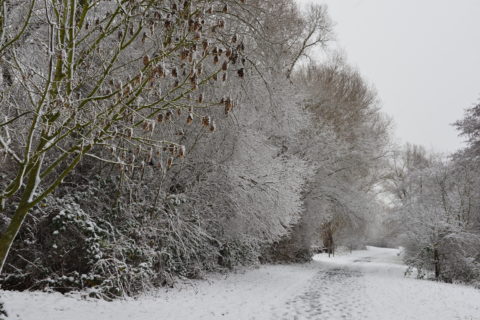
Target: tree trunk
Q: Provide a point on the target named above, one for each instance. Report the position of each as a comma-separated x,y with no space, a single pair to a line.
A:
330,243
7,238
436,261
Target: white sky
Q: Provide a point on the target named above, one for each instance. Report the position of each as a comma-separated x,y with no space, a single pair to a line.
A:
423,56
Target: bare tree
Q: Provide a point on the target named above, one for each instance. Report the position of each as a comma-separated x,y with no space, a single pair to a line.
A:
82,76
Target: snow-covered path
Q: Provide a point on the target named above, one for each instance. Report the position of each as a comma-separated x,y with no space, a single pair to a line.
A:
367,284
371,284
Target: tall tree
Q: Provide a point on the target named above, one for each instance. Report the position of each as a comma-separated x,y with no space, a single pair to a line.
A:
80,76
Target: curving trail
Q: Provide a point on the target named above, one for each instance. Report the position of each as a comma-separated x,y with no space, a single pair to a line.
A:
371,284
367,284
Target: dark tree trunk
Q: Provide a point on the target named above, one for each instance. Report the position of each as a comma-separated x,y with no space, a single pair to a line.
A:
436,261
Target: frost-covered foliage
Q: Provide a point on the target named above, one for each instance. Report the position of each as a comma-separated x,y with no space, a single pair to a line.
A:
103,79
435,207
160,147
345,147
148,140
469,127
437,210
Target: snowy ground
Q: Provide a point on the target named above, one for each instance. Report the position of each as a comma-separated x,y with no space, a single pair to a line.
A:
368,284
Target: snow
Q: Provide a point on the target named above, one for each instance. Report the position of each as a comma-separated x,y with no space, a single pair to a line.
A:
366,284
387,294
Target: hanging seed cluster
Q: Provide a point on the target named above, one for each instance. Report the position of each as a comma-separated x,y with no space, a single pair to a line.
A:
188,55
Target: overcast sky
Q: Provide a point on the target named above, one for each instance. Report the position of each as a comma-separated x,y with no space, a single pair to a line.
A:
423,56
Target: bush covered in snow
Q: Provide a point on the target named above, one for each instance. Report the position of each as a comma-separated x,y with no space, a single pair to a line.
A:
437,210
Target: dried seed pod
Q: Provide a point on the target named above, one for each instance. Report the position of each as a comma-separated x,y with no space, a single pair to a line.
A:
228,105
241,72
224,77
215,59
228,53
129,132
179,111
193,81
174,72
225,66
168,115
200,98
205,44
200,69
234,58
170,162
225,9
146,60
206,121
234,38
127,90
181,151
160,118
184,54
172,148
215,77
190,118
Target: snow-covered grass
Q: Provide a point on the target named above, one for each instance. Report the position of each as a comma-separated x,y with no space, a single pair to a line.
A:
366,284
